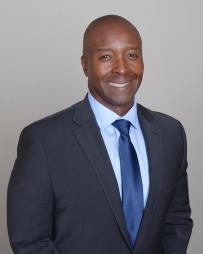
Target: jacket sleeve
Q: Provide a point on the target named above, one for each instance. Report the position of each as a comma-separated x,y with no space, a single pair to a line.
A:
30,199
178,223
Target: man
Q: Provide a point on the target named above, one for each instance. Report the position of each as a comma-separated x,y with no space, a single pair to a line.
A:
107,175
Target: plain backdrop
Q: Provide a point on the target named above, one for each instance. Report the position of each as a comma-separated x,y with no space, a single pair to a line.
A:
40,73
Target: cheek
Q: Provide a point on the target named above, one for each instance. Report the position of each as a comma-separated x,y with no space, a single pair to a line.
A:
141,67
138,69
99,69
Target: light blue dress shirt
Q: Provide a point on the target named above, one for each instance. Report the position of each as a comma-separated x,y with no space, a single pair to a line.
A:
105,117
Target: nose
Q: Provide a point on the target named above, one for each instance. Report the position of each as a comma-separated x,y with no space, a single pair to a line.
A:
120,66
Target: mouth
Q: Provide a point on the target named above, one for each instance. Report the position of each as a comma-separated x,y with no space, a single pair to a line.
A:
119,85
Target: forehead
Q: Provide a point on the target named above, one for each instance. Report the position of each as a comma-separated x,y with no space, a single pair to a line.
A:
113,34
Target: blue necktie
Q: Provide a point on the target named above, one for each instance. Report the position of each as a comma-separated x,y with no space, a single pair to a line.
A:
132,192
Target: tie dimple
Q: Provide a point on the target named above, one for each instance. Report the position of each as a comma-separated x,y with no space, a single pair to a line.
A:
123,126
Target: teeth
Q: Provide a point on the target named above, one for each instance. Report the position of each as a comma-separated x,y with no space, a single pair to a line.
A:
118,85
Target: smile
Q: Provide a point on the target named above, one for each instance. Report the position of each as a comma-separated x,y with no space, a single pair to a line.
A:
119,85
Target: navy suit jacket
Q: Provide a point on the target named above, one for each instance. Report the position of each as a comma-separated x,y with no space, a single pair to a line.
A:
63,196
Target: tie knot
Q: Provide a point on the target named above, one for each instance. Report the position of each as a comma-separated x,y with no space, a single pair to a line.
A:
123,126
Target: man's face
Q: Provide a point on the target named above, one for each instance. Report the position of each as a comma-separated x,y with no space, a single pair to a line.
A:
114,66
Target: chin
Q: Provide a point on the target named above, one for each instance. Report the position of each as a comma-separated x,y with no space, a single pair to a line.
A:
121,103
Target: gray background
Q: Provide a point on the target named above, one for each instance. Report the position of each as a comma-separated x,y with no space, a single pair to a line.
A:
40,73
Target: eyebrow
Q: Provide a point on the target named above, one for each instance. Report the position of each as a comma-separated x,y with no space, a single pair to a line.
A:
109,49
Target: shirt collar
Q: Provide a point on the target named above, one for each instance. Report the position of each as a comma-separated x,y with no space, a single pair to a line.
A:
106,117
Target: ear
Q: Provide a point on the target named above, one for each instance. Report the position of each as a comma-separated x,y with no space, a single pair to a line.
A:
84,64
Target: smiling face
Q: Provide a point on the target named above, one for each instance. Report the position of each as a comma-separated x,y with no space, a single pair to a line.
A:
113,63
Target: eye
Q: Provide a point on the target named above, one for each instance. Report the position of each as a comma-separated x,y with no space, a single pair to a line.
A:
132,55
105,57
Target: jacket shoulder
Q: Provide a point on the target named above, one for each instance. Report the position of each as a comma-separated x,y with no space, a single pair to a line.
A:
169,125
158,117
54,123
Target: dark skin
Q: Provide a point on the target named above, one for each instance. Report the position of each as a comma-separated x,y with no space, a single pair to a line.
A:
112,61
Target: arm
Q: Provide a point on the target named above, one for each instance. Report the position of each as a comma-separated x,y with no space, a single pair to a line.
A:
30,199
178,223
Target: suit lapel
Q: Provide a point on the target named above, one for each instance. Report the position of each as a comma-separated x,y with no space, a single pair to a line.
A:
155,155
90,139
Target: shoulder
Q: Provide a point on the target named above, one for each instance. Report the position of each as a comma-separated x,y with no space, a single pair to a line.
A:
157,116
169,125
53,125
